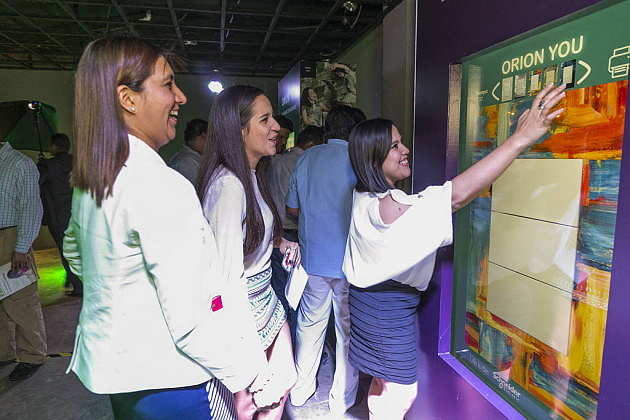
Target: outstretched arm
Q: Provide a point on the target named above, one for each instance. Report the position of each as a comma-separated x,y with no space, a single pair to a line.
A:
532,124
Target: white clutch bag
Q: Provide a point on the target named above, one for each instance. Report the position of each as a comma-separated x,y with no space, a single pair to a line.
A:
295,285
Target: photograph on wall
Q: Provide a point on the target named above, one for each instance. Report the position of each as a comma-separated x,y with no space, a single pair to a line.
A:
324,85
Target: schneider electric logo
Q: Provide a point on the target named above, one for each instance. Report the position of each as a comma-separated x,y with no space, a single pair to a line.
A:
506,386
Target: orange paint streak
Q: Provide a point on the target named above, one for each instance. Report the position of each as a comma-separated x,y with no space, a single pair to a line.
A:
585,183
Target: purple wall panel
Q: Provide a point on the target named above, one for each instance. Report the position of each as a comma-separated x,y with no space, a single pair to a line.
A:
614,400
447,31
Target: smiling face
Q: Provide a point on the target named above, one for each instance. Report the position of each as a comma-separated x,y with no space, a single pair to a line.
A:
154,110
396,164
312,95
261,131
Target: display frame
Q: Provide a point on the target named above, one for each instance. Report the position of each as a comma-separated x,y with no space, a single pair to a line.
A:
446,270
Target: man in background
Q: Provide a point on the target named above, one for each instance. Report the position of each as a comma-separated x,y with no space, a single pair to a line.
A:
282,167
56,193
188,160
320,194
286,128
22,331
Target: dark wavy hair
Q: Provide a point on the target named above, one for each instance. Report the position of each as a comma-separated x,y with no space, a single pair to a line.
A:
230,114
305,100
370,142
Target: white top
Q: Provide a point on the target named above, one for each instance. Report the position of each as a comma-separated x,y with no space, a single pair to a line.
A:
149,265
403,250
225,207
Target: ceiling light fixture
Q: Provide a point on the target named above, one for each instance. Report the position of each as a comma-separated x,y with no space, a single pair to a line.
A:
350,5
215,87
147,16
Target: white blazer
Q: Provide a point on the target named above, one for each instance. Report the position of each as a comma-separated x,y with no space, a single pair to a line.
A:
155,312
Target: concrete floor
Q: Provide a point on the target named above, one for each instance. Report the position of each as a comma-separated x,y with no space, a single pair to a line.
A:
50,394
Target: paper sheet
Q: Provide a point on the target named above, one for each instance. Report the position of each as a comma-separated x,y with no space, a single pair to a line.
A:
9,286
295,285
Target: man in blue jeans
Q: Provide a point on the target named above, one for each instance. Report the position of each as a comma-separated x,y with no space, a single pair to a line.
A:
320,195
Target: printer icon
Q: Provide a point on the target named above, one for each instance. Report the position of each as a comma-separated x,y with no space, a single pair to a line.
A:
619,62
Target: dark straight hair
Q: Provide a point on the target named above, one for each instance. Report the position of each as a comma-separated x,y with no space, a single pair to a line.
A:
194,129
230,114
370,142
101,143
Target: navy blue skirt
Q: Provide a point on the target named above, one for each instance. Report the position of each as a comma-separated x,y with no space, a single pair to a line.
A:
383,331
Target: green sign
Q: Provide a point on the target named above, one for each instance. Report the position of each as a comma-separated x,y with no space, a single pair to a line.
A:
583,50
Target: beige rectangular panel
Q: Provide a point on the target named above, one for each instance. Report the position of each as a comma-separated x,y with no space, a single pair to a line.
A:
542,250
545,189
540,310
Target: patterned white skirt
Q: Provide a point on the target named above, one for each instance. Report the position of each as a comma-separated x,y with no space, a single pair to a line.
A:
268,311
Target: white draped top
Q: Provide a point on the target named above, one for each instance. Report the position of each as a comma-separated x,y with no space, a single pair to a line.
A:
403,250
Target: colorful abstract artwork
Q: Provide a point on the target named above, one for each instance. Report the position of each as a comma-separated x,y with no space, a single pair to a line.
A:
591,130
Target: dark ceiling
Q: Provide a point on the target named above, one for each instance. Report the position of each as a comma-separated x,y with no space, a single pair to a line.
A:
237,37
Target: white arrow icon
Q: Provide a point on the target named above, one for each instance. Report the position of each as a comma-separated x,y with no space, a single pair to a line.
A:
588,71
494,95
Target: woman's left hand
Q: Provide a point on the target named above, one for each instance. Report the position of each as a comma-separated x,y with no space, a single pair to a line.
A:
291,252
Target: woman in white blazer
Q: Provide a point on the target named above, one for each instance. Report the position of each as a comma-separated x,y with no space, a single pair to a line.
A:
157,331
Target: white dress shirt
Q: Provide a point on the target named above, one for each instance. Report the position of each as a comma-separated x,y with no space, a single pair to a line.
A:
148,261
403,250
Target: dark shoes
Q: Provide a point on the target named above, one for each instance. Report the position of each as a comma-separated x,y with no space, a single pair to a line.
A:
23,371
4,363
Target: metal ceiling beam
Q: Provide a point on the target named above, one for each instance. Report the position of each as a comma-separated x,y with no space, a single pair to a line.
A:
150,38
272,26
50,60
71,13
123,15
178,32
18,62
321,25
307,15
223,16
30,22
153,24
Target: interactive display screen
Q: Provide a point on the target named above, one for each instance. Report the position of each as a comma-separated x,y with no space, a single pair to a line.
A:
534,253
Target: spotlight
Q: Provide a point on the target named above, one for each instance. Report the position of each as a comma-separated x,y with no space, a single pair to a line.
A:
34,105
215,87
350,5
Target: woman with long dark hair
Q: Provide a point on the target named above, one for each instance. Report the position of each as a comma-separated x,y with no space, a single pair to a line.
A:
237,203
156,332
392,242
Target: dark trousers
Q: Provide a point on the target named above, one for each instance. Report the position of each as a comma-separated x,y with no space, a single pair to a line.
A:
57,234
207,401
279,279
